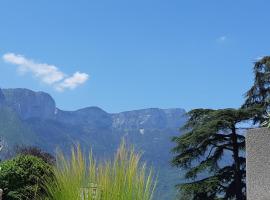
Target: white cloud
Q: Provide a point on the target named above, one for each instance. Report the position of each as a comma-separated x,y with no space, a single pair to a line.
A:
73,81
48,74
222,39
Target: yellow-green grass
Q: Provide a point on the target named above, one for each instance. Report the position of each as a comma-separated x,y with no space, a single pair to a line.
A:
122,178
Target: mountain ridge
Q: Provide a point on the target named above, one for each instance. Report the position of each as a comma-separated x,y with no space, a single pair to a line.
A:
32,118
16,98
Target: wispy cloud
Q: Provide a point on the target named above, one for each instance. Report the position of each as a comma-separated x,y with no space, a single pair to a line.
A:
73,81
222,39
48,74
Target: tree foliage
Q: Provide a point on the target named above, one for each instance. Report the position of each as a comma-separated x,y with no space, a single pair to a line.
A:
22,177
259,94
211,135
37,152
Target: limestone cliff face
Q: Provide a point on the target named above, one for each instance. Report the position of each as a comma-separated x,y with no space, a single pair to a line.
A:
28,104
152,118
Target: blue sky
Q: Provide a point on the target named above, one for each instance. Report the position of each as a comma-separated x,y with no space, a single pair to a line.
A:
136,54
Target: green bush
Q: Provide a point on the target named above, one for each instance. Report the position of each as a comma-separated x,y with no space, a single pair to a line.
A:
23,176
37,152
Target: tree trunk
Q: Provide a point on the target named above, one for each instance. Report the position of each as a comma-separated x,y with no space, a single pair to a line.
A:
237,171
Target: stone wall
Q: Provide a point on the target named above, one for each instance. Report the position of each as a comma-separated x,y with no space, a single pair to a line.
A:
258,164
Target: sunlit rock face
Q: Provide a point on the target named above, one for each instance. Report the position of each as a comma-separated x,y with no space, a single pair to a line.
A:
152,118
28,104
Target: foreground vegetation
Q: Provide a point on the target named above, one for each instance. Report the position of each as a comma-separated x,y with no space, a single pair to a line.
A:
33,175
22,177
120,179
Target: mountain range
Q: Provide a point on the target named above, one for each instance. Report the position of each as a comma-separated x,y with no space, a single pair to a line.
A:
32,118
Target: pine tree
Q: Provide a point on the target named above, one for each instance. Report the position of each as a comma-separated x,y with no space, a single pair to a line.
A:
211,135
259,94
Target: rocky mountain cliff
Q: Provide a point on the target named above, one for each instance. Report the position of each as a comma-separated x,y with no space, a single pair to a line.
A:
32,118
28,104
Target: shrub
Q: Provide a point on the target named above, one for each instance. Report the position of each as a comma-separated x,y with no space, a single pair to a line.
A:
120,179
37,152
23,177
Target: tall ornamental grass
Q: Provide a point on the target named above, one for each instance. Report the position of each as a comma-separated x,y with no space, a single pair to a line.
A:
122,178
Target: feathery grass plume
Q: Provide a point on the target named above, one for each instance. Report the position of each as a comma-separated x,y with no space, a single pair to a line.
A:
122,178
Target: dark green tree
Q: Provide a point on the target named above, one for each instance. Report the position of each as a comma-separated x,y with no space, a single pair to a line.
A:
259,94
23,177
210,136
